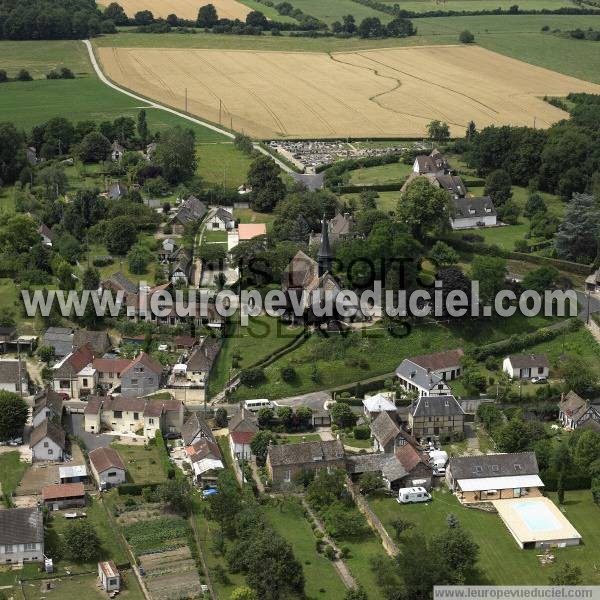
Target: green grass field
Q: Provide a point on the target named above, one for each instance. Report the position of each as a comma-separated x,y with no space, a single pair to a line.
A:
11,472
334,11
143,463
222,164
268,11
247,215
392,173
84,98
321,577
421,6
374,352
501,561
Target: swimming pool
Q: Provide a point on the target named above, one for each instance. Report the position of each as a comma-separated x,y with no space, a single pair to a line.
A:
537,516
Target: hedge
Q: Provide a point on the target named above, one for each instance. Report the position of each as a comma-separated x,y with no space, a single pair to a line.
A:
376,187
596,490
571,482
135,489
163,454
517,342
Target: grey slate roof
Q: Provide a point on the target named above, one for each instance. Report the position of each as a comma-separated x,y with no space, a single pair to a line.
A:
387,464
417,374
243,420
196,427
51,400
384,428
59,338
9,372
204,356
493,465
98,340
469,208
21,526
437,406
121,282
526,361
306,452
190,211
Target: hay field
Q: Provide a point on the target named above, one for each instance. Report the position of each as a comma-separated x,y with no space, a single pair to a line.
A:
184,9
374,93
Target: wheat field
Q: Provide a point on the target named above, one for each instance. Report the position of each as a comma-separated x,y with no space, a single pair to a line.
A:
373,93
184,9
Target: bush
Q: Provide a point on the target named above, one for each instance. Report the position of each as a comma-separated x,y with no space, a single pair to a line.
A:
362,432
23,75
330,552
252,377
466,37
288,374
103,261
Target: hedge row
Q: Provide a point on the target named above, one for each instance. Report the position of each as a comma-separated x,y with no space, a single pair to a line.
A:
517,342
571,482
376,187
163,454
596,490
135,489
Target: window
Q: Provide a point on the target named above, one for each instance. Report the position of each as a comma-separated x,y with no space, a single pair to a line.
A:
64,383
30,546
8,549
85,382
111,474
110,375
288,476
151,421
50,451
118,414
46,444
134,381
540,370
136,416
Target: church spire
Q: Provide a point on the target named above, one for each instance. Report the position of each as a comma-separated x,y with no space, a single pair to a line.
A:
325,256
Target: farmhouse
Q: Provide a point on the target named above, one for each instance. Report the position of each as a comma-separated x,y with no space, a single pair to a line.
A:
494,476
48,406
63,495
21,535
444,364
284,461
117,282
195,428
13,376
432,163
181,267
373,406
415,378
575,412
7,335
98,341
525,366
107,467
471,212
431,416
242,427
74,375
47,441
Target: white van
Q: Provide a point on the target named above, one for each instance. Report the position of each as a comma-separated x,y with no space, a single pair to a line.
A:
256,405
413,494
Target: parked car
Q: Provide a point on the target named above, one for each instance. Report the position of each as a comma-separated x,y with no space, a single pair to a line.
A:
539,380
163,347
172,435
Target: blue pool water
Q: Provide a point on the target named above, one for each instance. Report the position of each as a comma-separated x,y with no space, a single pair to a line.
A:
537,516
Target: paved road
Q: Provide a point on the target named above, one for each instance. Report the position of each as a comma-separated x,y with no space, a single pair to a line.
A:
314,400
182,115
594,301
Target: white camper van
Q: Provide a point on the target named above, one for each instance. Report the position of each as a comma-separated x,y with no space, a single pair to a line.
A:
413,494
256,405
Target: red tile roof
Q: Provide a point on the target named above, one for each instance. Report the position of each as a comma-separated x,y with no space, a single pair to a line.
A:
110,365
63,490
242,437
247,231
105,458
409,457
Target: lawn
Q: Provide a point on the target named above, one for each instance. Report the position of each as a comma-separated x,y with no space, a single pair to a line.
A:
11,472
82,586
247,215
263,336
143,463
120,264
110,545
215,237
222,164
298,439
320,576
501,561
349,440
83,98
334,11
268,11
392,173
374,352
421,6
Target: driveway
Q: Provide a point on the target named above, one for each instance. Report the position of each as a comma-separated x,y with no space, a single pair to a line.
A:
314,400
74,426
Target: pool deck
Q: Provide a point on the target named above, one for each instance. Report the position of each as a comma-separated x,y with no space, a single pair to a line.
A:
558,532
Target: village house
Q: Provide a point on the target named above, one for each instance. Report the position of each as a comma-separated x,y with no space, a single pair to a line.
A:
194,429
110,578
242,427
46,235
592,282
433,163
526,366
63,495
387,434
7,335
575,412
73,474
204,458
107,467
47,442
469,212
180,272
452,184
98,341
494,476
220,220
109,372
286,460
13,376
421,380
116,190
116,151
201,361
60,339
190,211
64,340
432,416
373,406
74,375
142,376
320,417
48,406
21,535
340,227
117,282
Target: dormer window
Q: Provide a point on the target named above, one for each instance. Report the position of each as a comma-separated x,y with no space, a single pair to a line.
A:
495,468
478,469
518,468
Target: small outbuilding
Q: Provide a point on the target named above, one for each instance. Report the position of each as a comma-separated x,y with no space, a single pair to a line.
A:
63,495
109,575
107,467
